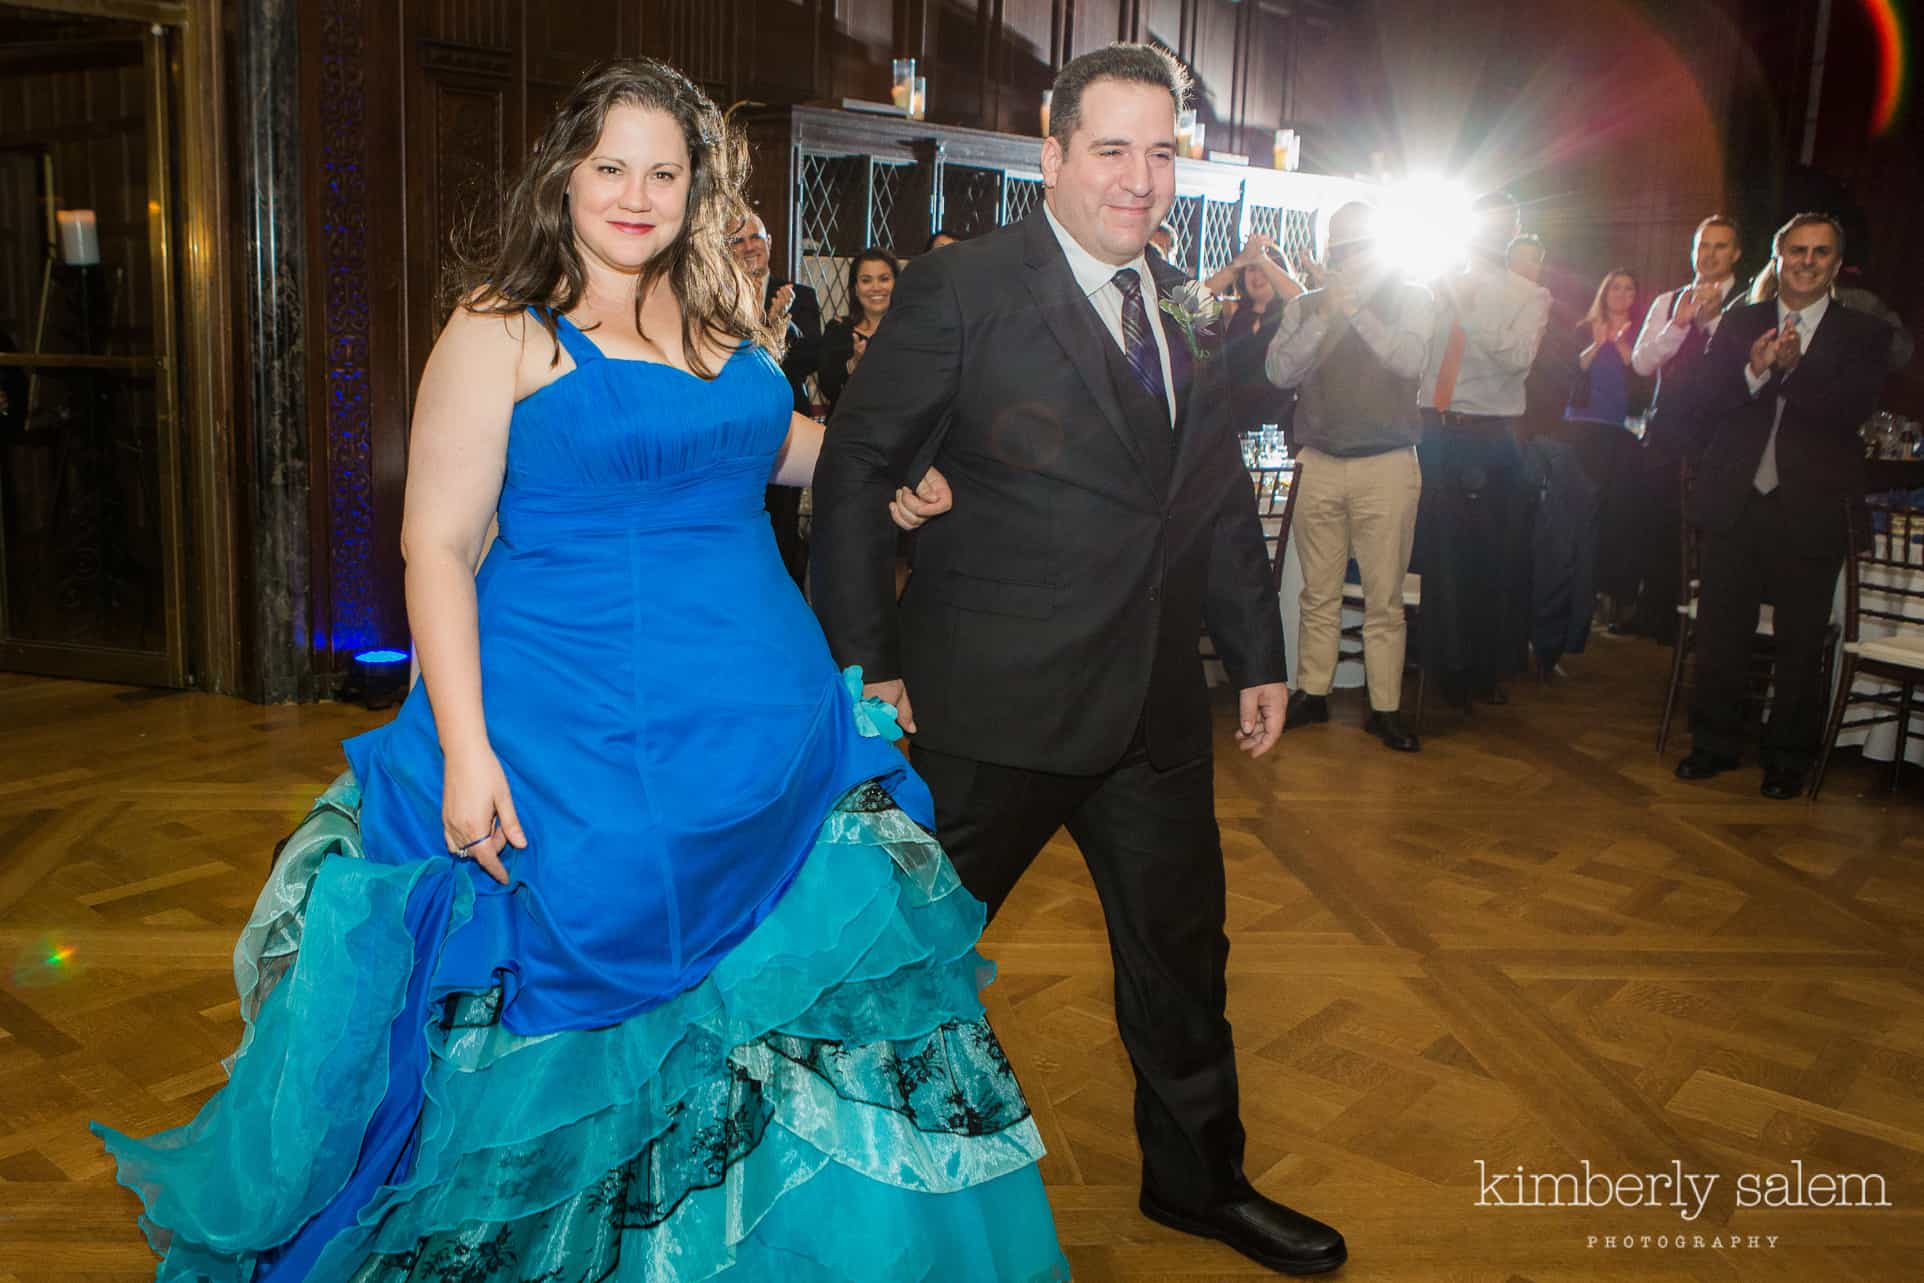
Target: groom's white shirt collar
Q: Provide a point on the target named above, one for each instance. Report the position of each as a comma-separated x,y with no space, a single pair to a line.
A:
1096,279
1092,273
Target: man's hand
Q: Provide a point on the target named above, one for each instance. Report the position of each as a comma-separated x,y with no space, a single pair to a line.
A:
910,509
1689,306
1790,348
780,302
1311,271
1259,714
894,692
1763,352
1344,292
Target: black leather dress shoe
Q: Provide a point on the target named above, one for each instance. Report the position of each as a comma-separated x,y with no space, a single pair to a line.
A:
1702,764
1389,728
1263,1230
1495,695
1305,710
1784,782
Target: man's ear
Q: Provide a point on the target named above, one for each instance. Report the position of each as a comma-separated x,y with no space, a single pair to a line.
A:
1051,160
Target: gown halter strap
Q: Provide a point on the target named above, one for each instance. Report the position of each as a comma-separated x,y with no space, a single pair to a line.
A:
579,345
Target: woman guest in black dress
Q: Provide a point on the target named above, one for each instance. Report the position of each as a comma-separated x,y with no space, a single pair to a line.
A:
1263,288
871,283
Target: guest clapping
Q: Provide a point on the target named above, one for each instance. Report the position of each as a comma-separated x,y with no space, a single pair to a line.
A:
1355,346
1263,288
1604,391
871,283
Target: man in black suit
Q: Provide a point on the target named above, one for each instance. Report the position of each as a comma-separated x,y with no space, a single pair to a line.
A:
794,305
1785,385
1048,632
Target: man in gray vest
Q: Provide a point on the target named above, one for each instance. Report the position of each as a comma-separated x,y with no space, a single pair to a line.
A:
1354,349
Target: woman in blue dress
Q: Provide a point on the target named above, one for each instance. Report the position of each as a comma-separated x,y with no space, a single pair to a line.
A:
1605,392
624,951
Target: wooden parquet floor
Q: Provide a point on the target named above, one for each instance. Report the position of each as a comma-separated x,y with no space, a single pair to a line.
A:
1526,947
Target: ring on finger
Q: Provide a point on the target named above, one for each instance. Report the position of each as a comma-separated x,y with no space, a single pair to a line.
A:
465,847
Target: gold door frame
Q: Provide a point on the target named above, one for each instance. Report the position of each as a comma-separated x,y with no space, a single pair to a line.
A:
193,359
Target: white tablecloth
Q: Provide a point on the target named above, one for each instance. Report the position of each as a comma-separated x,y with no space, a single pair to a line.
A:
1880,742
1349,669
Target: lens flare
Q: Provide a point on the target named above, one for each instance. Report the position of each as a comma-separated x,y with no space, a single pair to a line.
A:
1888,24
47,963
1423,227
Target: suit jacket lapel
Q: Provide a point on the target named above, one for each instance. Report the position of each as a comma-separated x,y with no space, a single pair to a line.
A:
1070,318
1823,346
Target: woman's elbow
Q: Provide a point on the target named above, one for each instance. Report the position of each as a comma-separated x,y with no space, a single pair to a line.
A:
421,549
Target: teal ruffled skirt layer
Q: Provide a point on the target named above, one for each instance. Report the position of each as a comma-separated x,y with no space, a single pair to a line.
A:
829,1104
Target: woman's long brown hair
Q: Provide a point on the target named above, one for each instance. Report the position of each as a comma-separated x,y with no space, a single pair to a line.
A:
1603,289
530,258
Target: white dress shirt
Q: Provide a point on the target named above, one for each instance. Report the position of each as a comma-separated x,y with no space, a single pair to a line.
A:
1097,280
1662,337
1503,326
1809,317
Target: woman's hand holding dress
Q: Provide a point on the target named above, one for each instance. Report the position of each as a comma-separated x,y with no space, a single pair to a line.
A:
477,811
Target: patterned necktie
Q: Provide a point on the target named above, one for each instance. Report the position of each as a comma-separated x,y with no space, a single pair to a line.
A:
1766,479
1138,344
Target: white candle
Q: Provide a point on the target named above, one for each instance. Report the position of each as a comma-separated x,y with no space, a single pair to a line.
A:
79,238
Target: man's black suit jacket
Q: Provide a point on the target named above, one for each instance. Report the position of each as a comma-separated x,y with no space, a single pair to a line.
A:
1820,458
803,354
1057,608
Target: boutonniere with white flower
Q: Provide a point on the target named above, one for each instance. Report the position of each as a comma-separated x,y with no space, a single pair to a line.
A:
1195,310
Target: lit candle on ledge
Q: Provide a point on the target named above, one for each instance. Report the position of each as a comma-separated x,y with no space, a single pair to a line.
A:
902,90
79,238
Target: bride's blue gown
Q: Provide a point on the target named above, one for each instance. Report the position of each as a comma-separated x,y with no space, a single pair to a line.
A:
722,1023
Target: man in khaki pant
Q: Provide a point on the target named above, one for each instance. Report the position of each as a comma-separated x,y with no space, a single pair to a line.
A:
1355,349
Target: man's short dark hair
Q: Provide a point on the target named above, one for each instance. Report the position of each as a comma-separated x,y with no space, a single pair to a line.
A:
938,234
1720,220
1808,220
1132,63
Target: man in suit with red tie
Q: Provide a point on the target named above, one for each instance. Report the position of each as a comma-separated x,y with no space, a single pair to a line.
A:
1785,386
1048,632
